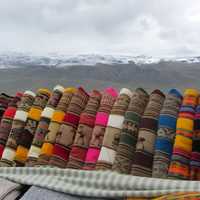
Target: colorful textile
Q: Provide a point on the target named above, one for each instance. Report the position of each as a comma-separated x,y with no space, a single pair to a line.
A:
113,130
182,149
63,134
195,156
62,107
138,198
128,137
109,96
7,119
43,125
143,158
180,196
28,132
17,128
84,132
4,101
166,134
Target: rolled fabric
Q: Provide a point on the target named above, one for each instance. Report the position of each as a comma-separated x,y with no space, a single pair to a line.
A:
166,134
58,151
7,119
129,134
84,132
4,101
109,96
143,157
113,130
18,125
26,136
195,156
63,126
180,161
43,125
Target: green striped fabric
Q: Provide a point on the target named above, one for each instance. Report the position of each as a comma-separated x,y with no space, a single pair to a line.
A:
96,183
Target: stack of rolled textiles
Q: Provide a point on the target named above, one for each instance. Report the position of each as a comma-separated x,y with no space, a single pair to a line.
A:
180,160
143,157
7,119
26,136
195,156
113,130
109,96
4,100
61,108
48,142
62,131
18,124
128,138
84,132
166,134
43,125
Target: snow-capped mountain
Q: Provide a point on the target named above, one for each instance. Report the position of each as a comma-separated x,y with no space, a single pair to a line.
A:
15,60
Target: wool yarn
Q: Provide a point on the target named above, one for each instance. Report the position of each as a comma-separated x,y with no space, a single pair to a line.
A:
109,96
43,125
195,155
18,124
63,126
143,158
4,101
28,132
180,161
166,134
7,119
129,134
113,130
84,132
61,108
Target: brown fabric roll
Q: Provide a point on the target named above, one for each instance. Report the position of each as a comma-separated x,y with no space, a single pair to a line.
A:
129,134
143,157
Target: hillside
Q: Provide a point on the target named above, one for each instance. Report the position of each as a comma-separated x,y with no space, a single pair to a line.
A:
164,74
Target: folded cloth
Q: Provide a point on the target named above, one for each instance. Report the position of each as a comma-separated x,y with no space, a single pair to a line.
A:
84,132
166,134
100,184
7,119
113,130
4,101
63,127
18,125
43,125
129,134
28,132
143,157
36,193
182,149
109,96
9,190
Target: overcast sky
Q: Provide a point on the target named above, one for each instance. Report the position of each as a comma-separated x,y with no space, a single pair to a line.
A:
150,27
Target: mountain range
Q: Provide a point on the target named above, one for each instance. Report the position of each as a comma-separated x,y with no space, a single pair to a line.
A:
15,60
28,71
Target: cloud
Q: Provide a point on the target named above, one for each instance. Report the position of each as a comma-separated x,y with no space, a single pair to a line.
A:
158,28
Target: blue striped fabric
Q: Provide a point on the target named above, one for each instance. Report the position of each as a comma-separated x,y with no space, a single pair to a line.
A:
166,133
